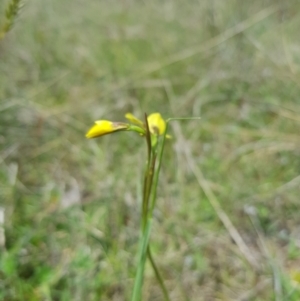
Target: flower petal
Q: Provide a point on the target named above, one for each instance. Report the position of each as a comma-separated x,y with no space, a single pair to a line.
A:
157,125
104,127
134,120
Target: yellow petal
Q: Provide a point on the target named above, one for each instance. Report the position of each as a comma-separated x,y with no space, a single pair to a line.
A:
157,125
134,120
104,127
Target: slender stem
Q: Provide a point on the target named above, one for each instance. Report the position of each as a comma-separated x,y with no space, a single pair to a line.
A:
183,118
143,246
150,188
150,182
148,137
152,205
157,275
146,218
149,172
156,174
144,207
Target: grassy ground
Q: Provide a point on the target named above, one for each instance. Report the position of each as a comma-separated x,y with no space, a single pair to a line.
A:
227,223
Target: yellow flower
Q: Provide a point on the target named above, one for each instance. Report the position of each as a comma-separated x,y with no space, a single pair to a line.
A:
157,125
104,127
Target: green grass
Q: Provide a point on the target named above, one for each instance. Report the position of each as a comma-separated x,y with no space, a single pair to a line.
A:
64,64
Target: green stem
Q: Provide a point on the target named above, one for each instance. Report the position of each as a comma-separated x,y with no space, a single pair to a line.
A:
146,218
149,181
150,189
149,172
157,275
145,195
156,174
152,205
143,246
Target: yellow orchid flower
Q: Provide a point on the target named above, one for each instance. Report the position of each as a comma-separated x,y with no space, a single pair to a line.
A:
157,126
104,127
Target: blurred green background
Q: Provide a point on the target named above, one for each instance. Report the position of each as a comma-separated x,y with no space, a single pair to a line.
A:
69,212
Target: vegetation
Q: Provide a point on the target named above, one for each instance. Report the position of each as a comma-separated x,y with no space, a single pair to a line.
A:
11,12
226,225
